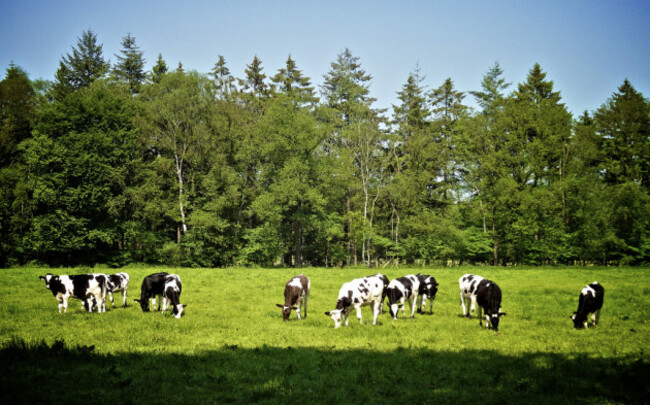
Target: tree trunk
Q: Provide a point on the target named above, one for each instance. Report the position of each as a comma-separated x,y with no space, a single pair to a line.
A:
179,173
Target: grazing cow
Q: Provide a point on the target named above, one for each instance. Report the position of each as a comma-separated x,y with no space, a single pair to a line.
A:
589,302
116,283
488,297
172,295
401,290
296,294
356,294
428,291
89,288
152,286
468,286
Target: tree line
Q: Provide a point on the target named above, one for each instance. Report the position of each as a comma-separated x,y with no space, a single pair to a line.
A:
112,164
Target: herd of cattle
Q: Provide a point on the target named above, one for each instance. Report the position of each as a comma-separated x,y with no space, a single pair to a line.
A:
415,290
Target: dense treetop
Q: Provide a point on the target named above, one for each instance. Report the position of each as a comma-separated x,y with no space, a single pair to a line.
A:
113,165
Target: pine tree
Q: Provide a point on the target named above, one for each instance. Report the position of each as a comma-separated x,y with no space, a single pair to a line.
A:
623,126
222,78
290,81
159,69
82,67
254,82
493,85
17,112
130,65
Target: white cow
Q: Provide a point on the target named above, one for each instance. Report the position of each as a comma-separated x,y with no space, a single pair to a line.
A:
356,294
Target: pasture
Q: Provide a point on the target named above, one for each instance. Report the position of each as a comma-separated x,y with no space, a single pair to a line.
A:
231,345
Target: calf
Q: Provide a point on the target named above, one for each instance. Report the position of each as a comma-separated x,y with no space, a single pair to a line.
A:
401,290
468,286
356,294
428,291
589,302
116,283
172,295
296,293
152,286
488,297
89,288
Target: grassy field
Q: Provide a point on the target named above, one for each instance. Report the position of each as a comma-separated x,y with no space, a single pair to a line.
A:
231,345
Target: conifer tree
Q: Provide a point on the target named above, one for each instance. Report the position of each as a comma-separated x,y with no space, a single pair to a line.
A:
82,67
290,81
159,69
222,78
255,80
130,65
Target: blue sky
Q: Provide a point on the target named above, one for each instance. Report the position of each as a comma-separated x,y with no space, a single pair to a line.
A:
586,47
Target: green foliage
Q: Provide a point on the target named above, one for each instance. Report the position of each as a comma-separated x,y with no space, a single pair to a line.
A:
177,167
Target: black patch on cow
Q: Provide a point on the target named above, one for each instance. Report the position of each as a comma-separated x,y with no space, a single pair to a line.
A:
344,302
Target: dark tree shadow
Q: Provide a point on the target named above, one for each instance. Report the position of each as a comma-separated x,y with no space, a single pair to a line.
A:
58,374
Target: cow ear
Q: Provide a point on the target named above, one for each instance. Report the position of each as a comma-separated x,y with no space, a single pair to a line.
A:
41,278
281,306
136,300
184,305
502,314
327,313
294,308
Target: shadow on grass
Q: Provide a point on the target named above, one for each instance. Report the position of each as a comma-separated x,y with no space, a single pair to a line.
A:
42,373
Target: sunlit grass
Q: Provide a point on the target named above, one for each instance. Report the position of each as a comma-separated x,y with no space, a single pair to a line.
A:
232,335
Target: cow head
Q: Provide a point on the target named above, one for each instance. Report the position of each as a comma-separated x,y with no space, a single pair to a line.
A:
579,322
286,311
336,315
177,310
494,320
144,304
48,279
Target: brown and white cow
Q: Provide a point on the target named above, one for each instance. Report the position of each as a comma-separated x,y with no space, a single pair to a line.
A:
296,296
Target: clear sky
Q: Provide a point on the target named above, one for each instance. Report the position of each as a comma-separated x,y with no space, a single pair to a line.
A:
587,47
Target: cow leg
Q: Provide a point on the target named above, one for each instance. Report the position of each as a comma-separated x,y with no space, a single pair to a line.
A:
412,305
595,317
110,295
346,317
304,304
472,308
375,311
124,297
358,309
462,303
298,305
479,314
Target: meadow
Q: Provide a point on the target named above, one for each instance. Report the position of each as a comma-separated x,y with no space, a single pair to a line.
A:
231,345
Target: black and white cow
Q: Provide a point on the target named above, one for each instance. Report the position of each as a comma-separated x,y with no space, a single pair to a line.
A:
152,286
383,295
401,290
589,302
356,294
428,291
172,295
468,286
488,297
89,288
116,283
296,295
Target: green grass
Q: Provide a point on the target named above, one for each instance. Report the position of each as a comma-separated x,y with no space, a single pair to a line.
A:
231,345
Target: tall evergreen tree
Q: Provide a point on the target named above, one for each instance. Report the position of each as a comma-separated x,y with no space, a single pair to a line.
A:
130,65
159,69
290,81
222,78
79,69
17,112
255,80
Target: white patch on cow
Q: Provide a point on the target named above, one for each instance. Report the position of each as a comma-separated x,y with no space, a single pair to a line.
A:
588,291
179,309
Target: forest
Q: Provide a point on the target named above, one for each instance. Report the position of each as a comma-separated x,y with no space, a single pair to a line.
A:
109,164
